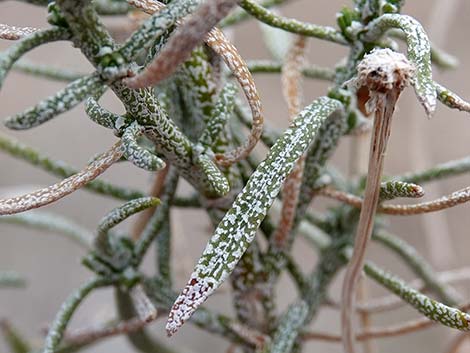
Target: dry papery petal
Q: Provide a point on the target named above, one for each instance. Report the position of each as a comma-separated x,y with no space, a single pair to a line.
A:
383,70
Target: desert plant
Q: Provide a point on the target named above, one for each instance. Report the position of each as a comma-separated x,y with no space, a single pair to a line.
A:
175,75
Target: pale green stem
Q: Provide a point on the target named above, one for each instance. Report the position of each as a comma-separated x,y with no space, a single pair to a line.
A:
63,317
118,215
309,71
290,24
52,223
46,71
9,279
432,309
62,169
418,265
438,172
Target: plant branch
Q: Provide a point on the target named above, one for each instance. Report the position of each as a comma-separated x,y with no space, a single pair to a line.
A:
57,191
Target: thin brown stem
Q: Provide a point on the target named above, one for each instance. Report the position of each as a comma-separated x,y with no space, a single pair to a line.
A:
385,74
380,332
189,34
89,335
381,132
291,84
219,43
67,186
392,302
254,337
364,318
14,33
456,198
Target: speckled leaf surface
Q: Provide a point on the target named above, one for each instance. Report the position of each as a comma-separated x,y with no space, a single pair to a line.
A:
238,227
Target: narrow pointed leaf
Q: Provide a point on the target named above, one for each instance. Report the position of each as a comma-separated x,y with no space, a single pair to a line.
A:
390,190
13,339
135,153
118,215
17,50
221,114
452,100
47,71
62,169
59,190
49,222
238,227
100,115
61,102
61,321
433,309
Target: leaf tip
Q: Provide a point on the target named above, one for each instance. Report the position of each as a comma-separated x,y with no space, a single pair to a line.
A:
193,295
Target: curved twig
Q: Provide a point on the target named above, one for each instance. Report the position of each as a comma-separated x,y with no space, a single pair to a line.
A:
189,34
391,331
14,33
217,41
456,198
291,80
57,191
290,24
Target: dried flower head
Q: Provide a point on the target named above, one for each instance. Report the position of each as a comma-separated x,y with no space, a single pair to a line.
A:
379,72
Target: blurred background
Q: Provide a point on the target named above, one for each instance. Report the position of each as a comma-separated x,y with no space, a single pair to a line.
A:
51,264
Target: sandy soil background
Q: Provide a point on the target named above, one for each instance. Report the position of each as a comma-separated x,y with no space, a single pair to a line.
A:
52,264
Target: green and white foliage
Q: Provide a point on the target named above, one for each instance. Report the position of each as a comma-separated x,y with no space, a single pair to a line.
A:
191,132
10,279
392,189
156,25
17,50
100,115
239,225
198,88
434,310
219,116
317,155
55,223
451,99
136,154
61,102
288,329
103,240
46,71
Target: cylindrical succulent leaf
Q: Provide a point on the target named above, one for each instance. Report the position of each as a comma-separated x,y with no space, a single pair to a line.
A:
61,102
136,154
238,227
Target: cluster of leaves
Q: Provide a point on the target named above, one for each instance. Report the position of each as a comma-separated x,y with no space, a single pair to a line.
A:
175,75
